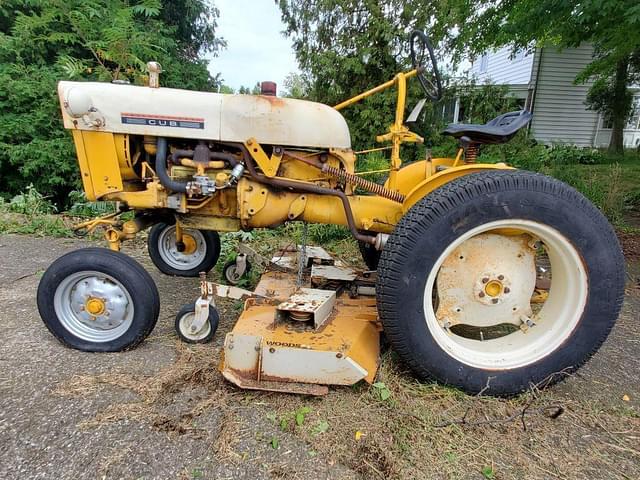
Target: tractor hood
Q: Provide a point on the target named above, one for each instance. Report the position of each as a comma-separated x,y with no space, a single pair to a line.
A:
170,112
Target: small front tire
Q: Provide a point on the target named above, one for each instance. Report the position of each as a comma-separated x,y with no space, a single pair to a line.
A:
206,333
98,300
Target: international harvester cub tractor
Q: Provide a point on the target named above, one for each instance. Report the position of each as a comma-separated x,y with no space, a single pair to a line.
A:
481,276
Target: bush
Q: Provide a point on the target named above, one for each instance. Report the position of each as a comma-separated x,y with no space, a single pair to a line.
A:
571,155
371,162
604,191
29,202
81,207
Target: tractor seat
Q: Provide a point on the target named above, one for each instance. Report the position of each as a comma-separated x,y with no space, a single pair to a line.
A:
499,130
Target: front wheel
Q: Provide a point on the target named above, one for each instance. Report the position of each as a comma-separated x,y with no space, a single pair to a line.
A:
499,281
198,252
98,300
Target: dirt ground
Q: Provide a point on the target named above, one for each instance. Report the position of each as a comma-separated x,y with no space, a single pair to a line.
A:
163,410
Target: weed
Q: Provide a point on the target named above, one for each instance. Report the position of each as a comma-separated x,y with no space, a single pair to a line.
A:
488,473
321,427
300,415
29,202
41,225
81,207
382,391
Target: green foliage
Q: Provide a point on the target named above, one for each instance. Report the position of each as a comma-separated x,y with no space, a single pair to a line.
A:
488,472
44,42
30,202
382,391
345,47
321,427
41,225
371,162
599,99
296,86
81,207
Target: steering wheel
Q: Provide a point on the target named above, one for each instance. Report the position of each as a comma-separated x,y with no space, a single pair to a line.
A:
420,48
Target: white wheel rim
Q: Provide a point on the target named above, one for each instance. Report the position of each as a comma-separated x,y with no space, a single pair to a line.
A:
180,260
185,322
555,321
70,299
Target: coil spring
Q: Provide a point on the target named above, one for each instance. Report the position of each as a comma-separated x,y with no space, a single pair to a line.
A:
471,153
364,184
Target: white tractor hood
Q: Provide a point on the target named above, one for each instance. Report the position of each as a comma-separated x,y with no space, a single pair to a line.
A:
178,113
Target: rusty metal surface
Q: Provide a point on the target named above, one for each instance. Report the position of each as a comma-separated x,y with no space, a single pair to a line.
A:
204,115
275,386
308,304
505,262
266,353
320,273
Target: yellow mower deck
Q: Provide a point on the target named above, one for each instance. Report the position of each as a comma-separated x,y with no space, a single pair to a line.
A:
266,350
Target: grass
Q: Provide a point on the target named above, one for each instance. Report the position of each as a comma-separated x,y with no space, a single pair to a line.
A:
43,225
414,432
396,428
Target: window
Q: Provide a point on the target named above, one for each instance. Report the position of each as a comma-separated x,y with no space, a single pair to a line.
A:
633,123
484,63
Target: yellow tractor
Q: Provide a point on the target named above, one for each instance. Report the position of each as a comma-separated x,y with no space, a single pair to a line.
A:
482,276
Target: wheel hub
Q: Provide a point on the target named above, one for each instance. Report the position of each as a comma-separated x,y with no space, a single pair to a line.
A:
95,306
488,280
98,303
190,244
188,254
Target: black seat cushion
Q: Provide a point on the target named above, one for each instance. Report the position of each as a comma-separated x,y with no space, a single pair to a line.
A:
499,130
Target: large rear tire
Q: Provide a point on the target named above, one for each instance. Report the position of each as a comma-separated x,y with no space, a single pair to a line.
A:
98,300
457,282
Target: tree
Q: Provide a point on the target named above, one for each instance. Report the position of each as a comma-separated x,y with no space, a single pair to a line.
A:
612,26
344,47
295,86
43,42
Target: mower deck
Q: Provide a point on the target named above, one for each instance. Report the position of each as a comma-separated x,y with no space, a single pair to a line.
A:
300,340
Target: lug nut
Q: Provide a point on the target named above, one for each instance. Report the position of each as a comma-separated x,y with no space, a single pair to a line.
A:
507,289
485,280
500,277
494,300
481,294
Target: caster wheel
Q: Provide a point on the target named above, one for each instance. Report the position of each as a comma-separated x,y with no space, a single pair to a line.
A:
233,274
98,300
183,323
199,253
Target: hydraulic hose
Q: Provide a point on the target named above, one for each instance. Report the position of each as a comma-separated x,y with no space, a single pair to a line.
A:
161,169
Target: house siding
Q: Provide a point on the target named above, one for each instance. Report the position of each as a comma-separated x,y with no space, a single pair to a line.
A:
502,69
559,112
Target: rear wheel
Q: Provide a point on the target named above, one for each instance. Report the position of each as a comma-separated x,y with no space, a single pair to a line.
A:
500,280
98,300
198,252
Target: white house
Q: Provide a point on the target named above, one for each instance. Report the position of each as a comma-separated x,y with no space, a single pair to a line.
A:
543,81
